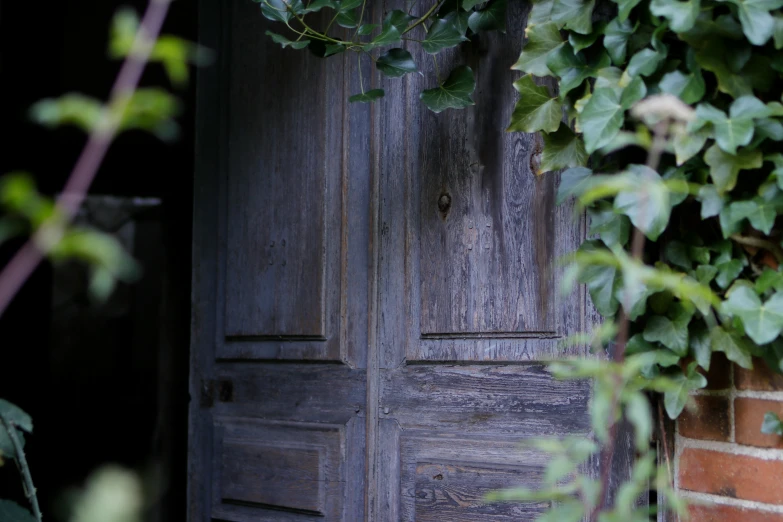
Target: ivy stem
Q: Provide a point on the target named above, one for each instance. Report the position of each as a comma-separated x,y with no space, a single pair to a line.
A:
660,131
758,242
21,464
27,259
361,17
423,18
359,70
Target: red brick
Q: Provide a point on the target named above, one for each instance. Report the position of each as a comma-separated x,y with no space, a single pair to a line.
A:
708,419
719,513
748,416
759,378
729,475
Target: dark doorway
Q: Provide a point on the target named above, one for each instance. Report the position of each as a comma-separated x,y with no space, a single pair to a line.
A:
104,384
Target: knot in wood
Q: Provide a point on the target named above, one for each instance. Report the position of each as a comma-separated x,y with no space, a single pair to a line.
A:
444,202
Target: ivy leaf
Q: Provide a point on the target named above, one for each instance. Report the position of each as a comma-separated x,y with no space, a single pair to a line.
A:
612,228
542,40
347,19
467,5
535,110
644,63
687,87
366,29
572,181
443,34
601,119
663,330
562,149
647,204
491,18
688,144
616,38
396,62
736,348
454,93
281,10
736,130
724,167
388,35
459,19
317,5
728,272
12,512
674,400
601,281
772,425
15,415
768,280
625,7
576,15
369,96
540,13
762,322
701,346
399,19
711,201
350,4
285,42
681,15
757,23
573,69
583,41
760,212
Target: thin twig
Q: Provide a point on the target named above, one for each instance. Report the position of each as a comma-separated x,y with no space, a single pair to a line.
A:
21,464
27,259
637,251
758,242
424,17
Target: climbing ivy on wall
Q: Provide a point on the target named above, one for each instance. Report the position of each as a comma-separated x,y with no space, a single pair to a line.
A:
667,119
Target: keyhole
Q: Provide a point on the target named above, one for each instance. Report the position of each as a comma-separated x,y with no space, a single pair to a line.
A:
444,203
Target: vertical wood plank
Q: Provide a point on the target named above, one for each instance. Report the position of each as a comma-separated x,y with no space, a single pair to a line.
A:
204,262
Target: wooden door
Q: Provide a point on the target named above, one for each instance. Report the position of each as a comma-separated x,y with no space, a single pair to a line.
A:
373,286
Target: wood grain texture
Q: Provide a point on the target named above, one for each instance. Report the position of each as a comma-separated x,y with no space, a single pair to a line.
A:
312,392
456,491
284,222
445,476
274,469
477,281
523,400
272,476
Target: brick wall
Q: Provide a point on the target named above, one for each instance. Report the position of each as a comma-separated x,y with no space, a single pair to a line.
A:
726,468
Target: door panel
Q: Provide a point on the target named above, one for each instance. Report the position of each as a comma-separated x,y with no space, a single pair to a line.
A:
469,298
281,284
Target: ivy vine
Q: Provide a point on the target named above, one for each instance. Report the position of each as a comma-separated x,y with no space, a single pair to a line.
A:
445,24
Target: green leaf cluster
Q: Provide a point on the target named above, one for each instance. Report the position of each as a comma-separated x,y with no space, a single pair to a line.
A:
443,25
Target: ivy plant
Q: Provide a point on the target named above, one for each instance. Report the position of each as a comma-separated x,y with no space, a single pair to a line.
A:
444,24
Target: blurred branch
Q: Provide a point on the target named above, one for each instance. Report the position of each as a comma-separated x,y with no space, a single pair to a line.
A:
27,259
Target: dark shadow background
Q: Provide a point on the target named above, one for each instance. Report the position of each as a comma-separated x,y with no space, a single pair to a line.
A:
119,393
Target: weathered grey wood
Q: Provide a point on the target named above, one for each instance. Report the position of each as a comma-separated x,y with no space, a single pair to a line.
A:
449,491
205,260
517,400
311,392
445,475
275,469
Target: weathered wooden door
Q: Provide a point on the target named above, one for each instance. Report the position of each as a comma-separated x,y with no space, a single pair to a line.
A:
372,288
